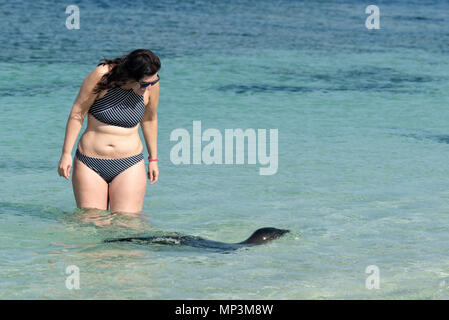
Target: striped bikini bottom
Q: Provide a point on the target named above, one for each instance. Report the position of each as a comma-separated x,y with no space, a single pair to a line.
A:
108,169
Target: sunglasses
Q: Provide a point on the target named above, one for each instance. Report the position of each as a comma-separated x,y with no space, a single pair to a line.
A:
146,84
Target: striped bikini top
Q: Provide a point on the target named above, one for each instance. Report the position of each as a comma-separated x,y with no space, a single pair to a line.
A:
119,107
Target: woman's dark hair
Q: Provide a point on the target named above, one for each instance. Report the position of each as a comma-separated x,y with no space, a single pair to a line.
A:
133,66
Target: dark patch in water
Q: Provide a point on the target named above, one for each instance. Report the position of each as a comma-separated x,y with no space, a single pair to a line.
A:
259,88
386,75
32,209
37,90
417,18
441,138
360,79
17,164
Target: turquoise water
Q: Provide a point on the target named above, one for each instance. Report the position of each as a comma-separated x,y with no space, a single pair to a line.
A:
363,147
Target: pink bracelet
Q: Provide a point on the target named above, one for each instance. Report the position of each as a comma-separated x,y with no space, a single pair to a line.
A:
149,159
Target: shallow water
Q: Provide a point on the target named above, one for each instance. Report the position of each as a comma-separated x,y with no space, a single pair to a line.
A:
363,149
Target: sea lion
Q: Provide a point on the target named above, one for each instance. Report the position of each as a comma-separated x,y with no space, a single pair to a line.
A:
260,236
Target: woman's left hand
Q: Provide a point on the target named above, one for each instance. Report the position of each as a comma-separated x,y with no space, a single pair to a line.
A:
153,172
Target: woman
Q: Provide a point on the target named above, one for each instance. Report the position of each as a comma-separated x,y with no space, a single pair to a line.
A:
109,167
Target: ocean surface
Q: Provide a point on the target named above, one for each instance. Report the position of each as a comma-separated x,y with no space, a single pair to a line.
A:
363,147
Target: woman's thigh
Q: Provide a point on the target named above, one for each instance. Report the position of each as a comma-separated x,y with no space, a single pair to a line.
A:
127,190
89,188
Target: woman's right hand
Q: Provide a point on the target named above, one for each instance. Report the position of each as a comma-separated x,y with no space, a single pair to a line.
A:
65,164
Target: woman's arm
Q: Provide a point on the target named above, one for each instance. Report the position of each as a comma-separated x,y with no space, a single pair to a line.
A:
149,130
79,110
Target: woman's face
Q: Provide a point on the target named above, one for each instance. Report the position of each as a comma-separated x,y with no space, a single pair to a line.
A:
137,85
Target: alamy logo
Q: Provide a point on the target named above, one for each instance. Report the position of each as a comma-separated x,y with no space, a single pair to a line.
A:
372,21
373,280
73,280
212,153
72,21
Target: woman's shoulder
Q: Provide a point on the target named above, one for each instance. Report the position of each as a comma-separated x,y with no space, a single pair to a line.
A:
97,74
102,69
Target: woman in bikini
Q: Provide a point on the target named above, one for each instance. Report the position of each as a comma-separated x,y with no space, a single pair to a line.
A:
109,167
